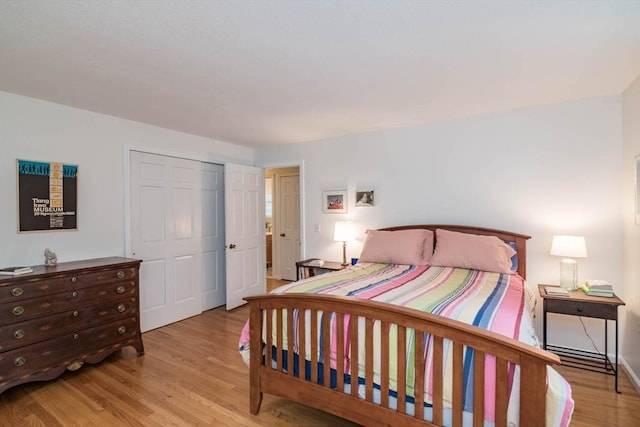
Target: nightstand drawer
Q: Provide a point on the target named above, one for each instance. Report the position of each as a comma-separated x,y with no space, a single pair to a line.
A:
579,308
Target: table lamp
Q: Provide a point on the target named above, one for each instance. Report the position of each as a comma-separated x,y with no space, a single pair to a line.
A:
569,247
343,232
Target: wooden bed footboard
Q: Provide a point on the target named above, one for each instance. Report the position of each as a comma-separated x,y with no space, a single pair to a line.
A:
303,385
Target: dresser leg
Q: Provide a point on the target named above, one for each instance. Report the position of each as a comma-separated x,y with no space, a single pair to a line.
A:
137,344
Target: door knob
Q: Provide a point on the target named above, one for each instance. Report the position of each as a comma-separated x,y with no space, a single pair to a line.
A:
282,235
232,246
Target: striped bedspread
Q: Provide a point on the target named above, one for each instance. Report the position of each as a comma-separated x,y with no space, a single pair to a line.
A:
498,302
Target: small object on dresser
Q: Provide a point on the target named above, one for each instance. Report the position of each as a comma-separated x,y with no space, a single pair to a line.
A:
50,257
15,271
556,290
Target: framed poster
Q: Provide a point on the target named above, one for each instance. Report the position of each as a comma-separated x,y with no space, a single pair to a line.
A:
47,196
334,201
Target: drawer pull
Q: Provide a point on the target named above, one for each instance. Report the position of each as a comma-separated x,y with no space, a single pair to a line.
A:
121,308
17,311
122,330
19,334
120,274
579,309
19,361
75,313
74,279
121,289
16,292
74,294
76,336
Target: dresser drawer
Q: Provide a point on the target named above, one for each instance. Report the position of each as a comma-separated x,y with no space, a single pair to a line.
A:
20,311
28,360
580,308
44,286
25,333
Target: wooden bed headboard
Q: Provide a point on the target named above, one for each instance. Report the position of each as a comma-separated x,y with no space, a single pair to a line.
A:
520,240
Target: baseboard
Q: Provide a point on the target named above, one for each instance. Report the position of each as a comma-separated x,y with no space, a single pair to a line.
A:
635,381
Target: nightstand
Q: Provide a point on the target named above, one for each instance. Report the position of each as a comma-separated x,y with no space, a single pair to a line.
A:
577,303
305,268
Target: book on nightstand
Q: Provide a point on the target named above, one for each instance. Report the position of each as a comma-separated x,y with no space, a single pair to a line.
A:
14,271
597,288
556,290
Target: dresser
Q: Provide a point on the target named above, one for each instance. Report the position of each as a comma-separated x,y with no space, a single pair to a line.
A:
59,317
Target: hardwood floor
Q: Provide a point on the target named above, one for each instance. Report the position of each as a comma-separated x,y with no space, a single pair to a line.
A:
596,402
192,375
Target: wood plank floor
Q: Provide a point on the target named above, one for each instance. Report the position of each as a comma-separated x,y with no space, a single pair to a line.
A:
192,375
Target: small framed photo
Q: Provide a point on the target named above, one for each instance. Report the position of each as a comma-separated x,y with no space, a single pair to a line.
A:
365,198
334,201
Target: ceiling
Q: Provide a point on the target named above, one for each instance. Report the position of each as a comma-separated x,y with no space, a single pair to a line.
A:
261,73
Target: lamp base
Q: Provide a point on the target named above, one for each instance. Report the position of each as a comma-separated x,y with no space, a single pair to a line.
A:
344,254
569,274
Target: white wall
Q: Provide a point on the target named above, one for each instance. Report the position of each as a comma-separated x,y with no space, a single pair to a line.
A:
631,272
37,130
538,171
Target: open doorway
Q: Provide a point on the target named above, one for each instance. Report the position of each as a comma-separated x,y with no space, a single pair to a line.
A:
282,224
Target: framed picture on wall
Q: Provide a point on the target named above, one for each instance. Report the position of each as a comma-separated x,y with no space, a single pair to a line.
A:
334,201
47,196
365,198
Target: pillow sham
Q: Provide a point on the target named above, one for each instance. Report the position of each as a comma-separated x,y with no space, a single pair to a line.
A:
487,253
514,258
409,247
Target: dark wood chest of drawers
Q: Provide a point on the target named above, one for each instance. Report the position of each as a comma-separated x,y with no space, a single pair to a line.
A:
60,317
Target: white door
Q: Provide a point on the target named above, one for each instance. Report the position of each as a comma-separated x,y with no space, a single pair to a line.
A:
213,256
165,234
289,218
244,233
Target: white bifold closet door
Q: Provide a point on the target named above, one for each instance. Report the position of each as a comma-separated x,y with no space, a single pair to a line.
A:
166,234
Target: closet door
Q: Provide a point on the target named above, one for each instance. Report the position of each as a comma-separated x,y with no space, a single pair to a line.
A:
166,235
213,254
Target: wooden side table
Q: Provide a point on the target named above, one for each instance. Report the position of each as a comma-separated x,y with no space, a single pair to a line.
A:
306,268
577,303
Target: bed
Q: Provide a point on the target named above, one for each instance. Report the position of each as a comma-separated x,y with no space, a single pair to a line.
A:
429,343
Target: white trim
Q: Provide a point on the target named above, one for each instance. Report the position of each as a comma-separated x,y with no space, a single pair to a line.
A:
303,229
220,160
633,378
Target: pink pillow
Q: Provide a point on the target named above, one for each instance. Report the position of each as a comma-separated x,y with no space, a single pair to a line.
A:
409,247
487,253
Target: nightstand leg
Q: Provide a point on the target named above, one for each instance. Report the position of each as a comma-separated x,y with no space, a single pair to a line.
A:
617,391
544,324
606,345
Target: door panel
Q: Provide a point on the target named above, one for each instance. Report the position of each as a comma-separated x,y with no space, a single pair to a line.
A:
290,225
165,234
245,236
213,253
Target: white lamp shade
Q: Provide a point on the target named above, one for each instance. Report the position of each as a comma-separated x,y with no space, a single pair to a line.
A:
569,246
343,231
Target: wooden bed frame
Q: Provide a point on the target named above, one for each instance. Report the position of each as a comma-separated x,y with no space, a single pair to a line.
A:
275,380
